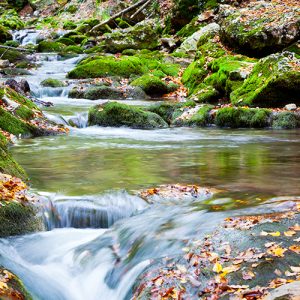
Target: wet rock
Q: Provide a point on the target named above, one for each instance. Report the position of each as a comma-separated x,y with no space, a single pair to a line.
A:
176,192
50,46
20,87
291,106
4,63
141,36
286,120
51,82
12,287
273,82
260,28
289,291
116,115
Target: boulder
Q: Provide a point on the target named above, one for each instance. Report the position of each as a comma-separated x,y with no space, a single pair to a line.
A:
141,36
260,27
50,82
190,43
116,115
273,82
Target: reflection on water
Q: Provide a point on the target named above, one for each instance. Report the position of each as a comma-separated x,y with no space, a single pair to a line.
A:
98,159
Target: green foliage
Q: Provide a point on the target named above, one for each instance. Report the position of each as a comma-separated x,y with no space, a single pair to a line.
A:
116,114
10,19
238,117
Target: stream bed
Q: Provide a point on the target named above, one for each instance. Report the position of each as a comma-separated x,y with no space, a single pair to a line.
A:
100,235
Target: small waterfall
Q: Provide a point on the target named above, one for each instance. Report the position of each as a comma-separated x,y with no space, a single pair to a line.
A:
80,120
26,37
90,211
42,92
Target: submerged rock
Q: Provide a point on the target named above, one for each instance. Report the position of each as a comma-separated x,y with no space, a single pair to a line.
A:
273,82
260,28
116,115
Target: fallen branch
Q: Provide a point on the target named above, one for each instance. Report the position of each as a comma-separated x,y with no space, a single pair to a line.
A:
141,9
13,48
130,8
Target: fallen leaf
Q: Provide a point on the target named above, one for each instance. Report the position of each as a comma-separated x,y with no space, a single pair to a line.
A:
295,248
217,267
290,233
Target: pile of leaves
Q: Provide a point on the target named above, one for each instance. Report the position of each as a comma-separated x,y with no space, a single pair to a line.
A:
13,189
243,259
9,286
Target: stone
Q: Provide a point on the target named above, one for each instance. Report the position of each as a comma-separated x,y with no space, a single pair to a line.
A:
291,106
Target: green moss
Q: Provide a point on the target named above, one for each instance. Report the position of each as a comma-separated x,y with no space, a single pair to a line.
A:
17,219
72,8
286,120
189,28
69,25
95,49
116,114
73,49
122,23
7,164
194,75
50,46
66,41
51,82
24,112
170,69
14,44
77,39
153,86
13,95
108,66
129,52
12,124
238,117
205,93
273,82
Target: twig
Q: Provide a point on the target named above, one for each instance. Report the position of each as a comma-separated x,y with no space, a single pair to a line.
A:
13,48
130,8
141,9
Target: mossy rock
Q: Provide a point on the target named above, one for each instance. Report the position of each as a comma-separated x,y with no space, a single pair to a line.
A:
15,288
4,34
108,66
273,82
97,92
189,28
286,120
17,219
238,117
66,41
141,36
205,93
278,26
77,39
72,49
51,82
116,115
154,86
50,46
7,163
69,25
170,111
12,43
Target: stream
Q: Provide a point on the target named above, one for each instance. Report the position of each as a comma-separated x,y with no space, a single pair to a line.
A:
100,235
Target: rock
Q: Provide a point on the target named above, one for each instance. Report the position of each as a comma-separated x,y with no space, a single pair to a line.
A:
24,85
289,291
4,63
190,43
116,115
4,34
141,36
286,120
51,82
260,28
13,286
50,46
273,82
154,86
21,87
291,106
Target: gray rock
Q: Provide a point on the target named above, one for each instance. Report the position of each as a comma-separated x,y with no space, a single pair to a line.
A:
291,107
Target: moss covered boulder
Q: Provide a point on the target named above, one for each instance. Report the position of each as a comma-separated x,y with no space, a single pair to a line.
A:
273,82
116,115
50,46
103,66
141,36
154,86
51,82
12,287
261,28
286,120
238,117
18,214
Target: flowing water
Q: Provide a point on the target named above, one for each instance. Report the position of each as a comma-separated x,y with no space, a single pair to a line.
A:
100,235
